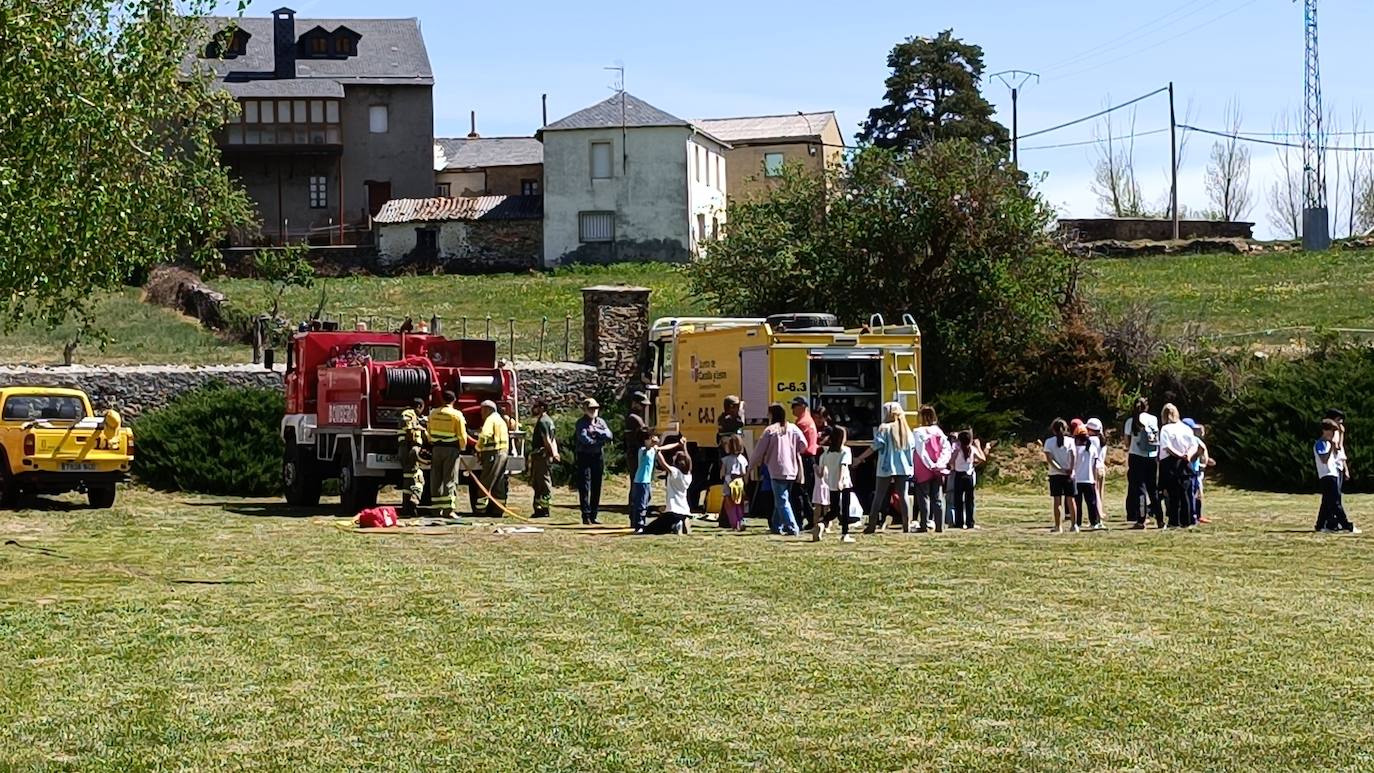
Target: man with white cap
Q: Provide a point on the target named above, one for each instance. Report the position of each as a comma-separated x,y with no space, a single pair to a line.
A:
590,436
493,453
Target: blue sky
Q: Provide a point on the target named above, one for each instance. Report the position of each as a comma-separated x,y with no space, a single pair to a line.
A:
720,59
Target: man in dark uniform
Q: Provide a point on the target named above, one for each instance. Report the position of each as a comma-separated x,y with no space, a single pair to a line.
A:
636,429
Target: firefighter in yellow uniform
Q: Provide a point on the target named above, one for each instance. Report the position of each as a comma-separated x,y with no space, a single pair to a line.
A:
493,452
448,434
410,440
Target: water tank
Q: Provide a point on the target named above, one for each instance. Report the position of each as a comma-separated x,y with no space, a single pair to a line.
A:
791,322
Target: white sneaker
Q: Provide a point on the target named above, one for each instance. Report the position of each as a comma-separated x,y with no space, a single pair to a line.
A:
930,523
846,538
1099,526
1074,528
1057,529
1353,530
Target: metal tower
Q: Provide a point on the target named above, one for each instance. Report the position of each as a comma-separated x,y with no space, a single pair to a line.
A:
1316,229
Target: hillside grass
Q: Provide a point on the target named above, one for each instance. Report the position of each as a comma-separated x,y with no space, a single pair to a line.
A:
527,297
1232,294
1191,294
181,632
138,333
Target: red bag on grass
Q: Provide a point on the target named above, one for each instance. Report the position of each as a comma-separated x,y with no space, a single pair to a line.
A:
377,518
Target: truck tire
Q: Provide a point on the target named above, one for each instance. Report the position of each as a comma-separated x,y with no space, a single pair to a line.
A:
355,493
10,495
299,479
101,497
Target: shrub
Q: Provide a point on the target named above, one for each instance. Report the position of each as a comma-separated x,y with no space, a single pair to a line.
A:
216,439
1072,374
1263,438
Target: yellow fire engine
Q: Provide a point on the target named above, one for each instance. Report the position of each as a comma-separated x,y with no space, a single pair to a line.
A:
697,361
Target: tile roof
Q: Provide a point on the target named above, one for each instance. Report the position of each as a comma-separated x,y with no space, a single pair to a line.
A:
464,153
302,88
607,114
767,127
389,51
461,208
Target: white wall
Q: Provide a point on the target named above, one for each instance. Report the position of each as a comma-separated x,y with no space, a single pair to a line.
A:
706,195
651,202
395,239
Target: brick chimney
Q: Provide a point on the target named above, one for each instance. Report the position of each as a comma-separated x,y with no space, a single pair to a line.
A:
284,43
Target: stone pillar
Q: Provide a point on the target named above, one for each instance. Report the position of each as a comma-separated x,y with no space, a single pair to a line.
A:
615,326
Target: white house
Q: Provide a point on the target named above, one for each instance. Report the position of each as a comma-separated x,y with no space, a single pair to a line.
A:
625,181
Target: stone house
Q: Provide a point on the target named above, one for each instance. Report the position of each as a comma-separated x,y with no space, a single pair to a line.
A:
488,166
626,181
461,235
761,145
336,118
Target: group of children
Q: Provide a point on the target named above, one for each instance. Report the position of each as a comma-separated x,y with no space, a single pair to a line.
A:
1172,462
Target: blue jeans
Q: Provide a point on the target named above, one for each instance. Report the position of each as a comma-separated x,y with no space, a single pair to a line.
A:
639,504
783,521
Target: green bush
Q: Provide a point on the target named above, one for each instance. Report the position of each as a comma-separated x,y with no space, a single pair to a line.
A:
216,439
1263,438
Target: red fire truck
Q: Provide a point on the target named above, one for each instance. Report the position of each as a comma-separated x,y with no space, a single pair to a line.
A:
345,391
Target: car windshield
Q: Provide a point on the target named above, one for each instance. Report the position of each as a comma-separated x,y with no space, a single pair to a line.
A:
50,407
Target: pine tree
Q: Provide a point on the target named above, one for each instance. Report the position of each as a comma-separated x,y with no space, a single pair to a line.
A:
932,95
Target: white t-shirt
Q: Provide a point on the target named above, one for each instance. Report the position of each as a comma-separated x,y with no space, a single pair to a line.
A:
1147,442
1085,463
963,462
1177,439
836,467
733,466
1331,467
677,484
1062,455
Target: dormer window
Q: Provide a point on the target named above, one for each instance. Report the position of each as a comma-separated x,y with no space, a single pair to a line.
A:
319,43
227,44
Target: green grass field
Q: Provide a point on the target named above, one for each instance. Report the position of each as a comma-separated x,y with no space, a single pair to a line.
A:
1227,294
1208,294
196,633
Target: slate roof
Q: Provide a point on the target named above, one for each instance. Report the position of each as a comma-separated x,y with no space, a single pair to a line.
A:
607,114
464,153
390,51
762,128
461,208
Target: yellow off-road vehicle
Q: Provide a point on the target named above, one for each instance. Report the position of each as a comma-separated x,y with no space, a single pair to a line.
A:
51,442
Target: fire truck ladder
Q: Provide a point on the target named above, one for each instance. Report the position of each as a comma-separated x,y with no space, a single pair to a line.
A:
905,380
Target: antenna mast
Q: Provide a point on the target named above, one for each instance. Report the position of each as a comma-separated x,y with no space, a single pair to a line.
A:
1316,233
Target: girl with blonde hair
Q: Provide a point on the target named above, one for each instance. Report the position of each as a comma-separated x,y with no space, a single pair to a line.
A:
893,444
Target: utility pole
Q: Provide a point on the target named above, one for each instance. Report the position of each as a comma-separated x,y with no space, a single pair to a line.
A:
1316,228
1014,80
1173,162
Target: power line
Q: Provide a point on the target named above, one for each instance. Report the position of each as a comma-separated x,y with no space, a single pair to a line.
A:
1275,143
1098,114
1159,43
1081,143
1139,31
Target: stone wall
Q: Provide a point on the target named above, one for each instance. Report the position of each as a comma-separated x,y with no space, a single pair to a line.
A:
1128,229
135,390
615,326
464,246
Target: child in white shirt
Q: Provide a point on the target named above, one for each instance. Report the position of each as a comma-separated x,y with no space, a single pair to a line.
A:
1087,454
835,463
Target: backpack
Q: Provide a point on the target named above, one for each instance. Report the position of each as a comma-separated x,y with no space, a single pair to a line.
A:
377,518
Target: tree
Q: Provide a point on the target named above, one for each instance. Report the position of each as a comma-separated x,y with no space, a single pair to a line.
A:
951,235
932,95
1285,193
1228,171
108,162
1114,181
1352,172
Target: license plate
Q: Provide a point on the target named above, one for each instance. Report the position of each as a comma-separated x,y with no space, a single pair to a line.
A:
78,467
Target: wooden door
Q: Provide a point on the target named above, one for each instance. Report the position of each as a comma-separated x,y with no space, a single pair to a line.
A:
378,194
